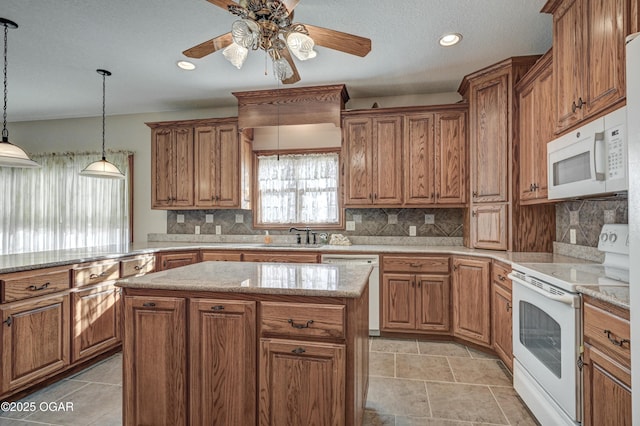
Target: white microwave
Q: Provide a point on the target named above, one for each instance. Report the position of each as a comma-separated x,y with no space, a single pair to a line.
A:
591,160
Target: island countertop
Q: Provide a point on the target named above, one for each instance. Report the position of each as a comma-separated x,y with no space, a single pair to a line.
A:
304,279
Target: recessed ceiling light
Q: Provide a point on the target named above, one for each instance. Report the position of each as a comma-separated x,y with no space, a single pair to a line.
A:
450,39
186,65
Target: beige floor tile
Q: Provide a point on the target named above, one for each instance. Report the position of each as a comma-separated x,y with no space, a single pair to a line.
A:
423,367
90,404
372,418
443,349
381,344
479,371
54,392
481,355
108,371
427,421
398,396
12,422
512,406
382,364
470,403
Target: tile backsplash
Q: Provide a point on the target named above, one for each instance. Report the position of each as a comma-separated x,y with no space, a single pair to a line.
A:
587,218
367,222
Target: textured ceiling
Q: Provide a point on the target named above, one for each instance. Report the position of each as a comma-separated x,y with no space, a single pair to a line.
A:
58,46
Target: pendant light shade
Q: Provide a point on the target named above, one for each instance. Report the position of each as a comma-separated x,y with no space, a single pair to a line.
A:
11,155
102,168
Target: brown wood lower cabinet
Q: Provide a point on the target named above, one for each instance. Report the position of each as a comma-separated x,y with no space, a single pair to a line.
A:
172,260
291,375
35,339
96,320
155,361
286,257
222,355
472,300
501,311
221,255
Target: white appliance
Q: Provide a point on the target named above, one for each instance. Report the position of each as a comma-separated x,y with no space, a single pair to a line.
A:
547,327
633,114
591,160
374,283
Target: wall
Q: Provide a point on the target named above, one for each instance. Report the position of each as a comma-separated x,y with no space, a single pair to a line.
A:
587,218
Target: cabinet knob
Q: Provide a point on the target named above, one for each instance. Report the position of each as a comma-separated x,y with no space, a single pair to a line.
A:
474,193
298,351
531,187
473,213
501,277
508,306
8,321
574,106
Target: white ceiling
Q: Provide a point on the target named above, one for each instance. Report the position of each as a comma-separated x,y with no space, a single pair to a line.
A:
59,44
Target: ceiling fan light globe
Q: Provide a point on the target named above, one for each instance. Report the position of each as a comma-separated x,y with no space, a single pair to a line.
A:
245,33
236,54
281,69
301,45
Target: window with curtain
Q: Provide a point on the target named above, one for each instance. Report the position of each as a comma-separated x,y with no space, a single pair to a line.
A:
53,208
298,189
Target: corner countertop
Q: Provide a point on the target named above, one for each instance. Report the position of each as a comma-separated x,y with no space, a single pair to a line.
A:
300,279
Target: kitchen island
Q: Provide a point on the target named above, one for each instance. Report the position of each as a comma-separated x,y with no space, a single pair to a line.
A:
222,343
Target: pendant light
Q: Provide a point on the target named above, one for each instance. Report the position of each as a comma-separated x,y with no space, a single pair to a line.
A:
102,168
11,155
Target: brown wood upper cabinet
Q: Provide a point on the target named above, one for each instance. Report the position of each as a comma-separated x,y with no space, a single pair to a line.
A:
171,167
588,56
535,129
434,157
372,155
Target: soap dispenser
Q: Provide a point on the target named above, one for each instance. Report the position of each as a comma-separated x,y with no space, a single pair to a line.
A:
267,237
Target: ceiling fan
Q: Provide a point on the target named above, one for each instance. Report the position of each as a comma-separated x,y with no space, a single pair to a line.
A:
268,25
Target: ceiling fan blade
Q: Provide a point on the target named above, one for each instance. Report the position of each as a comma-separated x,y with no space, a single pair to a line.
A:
209,46
344,42
289,4
224,4
295,77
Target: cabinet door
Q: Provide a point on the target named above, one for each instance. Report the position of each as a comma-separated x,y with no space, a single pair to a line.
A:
207,155
154,361
358,157
183,158
501,324
228,166
450,157
96,320
419,157
607,390
301,383
604,31
544,131
472,300
398,302
175,260
528,121
222,348
490,140
489,226
35,339
162,166
433,299
387,160
568,62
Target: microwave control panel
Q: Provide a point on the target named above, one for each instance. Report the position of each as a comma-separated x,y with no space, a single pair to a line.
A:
616,152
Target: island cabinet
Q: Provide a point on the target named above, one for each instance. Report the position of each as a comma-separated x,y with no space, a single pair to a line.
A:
283,257
416,294
174,259
535,129
501,313
471,295
372,156
607,364
588,56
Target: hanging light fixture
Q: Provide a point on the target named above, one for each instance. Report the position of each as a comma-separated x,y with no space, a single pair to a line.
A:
102,168
11,155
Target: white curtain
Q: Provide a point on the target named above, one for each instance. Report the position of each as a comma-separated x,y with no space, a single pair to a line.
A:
55,208
298,188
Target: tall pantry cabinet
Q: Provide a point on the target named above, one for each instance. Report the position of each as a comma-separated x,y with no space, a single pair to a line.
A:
495,219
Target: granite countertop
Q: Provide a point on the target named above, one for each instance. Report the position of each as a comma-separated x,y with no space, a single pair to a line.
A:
300,279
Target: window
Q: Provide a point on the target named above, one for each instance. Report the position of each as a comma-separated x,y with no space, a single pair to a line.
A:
53,208
298,189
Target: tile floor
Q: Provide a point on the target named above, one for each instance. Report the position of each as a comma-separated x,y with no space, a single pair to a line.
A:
411,383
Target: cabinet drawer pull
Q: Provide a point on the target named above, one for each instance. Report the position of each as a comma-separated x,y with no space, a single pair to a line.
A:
614,341
94,276
8,321
149,305
415,265
36,288
137,268
298,351
217,308
501,277
294,325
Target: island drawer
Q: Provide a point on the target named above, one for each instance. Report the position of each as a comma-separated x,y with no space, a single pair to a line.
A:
97,272
416,264
24,285
302,320
138,265
608,330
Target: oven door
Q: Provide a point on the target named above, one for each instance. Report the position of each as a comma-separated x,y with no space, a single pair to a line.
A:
547,339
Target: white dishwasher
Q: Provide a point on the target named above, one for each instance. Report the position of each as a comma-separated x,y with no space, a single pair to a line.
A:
374,283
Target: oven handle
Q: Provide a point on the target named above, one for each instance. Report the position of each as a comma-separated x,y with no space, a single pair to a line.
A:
568,299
